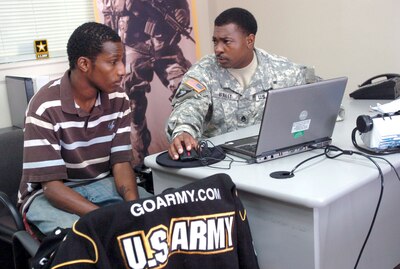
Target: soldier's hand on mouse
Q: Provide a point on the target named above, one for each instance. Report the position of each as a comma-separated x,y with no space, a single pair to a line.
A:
182,140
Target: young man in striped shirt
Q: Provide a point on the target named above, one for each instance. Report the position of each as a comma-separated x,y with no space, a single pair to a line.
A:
77,148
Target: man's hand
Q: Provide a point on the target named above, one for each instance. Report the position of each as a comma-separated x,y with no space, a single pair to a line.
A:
182,140
182,17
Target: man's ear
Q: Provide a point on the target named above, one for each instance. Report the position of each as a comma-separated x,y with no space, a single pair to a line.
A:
250,39
84,64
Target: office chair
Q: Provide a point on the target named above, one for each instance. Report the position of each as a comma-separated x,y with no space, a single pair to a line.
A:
17,246
23,245
200,225
15,243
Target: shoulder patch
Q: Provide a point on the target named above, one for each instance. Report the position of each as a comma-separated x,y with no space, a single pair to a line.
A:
182,92
195,85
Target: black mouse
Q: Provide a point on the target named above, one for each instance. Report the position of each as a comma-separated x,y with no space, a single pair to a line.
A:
188,155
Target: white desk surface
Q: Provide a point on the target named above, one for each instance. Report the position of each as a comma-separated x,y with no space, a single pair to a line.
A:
316,183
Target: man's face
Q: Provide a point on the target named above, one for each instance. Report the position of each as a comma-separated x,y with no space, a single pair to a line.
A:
108,69
232,47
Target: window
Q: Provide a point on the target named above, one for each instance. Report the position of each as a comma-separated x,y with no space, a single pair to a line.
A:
23,21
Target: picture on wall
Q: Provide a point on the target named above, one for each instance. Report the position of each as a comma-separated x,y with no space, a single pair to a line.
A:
160,46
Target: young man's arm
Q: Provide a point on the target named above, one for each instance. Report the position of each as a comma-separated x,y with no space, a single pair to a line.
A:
125,181
65,198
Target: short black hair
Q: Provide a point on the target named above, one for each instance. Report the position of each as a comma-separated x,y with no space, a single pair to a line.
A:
87,40
239,16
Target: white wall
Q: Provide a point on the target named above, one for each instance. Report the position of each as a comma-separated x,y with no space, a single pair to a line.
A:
358,38
53,68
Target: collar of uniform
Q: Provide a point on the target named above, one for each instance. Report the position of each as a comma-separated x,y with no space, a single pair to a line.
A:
67,99
231,83
258,82
265,74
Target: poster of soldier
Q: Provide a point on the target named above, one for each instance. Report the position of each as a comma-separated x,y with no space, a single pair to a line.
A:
160,46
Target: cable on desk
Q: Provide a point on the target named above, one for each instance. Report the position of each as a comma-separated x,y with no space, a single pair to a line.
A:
290,174
332,152
306,160
204,159
390,164
329,150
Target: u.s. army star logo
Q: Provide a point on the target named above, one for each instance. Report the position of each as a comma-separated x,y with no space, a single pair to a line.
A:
41,49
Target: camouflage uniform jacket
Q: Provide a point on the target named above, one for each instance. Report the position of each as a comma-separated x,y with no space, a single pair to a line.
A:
210,101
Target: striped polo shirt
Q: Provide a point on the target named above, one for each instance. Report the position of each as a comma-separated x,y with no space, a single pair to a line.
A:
63,142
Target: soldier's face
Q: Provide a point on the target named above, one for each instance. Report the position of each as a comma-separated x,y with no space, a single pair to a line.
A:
232,47
108,69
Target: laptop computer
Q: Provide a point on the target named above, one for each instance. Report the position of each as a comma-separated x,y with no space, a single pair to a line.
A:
295,119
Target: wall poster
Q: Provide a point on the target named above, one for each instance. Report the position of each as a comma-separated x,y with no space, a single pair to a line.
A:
159,38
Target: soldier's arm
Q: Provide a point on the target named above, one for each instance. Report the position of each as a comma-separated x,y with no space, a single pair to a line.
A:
185,125
189,111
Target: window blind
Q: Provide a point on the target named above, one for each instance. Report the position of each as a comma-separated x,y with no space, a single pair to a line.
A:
23,21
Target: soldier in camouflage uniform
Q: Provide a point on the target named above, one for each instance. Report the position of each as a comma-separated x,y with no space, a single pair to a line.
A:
151,31
227,90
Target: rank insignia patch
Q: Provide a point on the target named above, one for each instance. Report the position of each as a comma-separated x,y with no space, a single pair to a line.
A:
181,93
195,85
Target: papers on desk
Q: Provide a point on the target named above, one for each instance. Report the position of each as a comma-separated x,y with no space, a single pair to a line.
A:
388,108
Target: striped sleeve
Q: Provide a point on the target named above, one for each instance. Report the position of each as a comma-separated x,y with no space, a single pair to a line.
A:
42,149
121,149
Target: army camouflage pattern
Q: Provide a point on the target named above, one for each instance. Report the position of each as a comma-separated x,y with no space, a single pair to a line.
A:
224,105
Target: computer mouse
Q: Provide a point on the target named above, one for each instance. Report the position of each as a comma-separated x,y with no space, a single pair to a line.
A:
188,155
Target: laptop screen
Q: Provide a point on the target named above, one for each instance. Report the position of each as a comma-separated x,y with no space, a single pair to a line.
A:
297,116
300,114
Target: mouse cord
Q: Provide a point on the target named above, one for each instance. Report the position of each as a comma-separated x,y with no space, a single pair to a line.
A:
203,147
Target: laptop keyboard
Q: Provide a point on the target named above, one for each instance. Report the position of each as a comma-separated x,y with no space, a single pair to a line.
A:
249,147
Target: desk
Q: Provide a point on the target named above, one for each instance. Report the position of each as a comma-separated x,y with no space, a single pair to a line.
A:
320,217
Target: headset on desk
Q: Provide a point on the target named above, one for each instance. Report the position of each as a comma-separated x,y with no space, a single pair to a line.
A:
384,146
